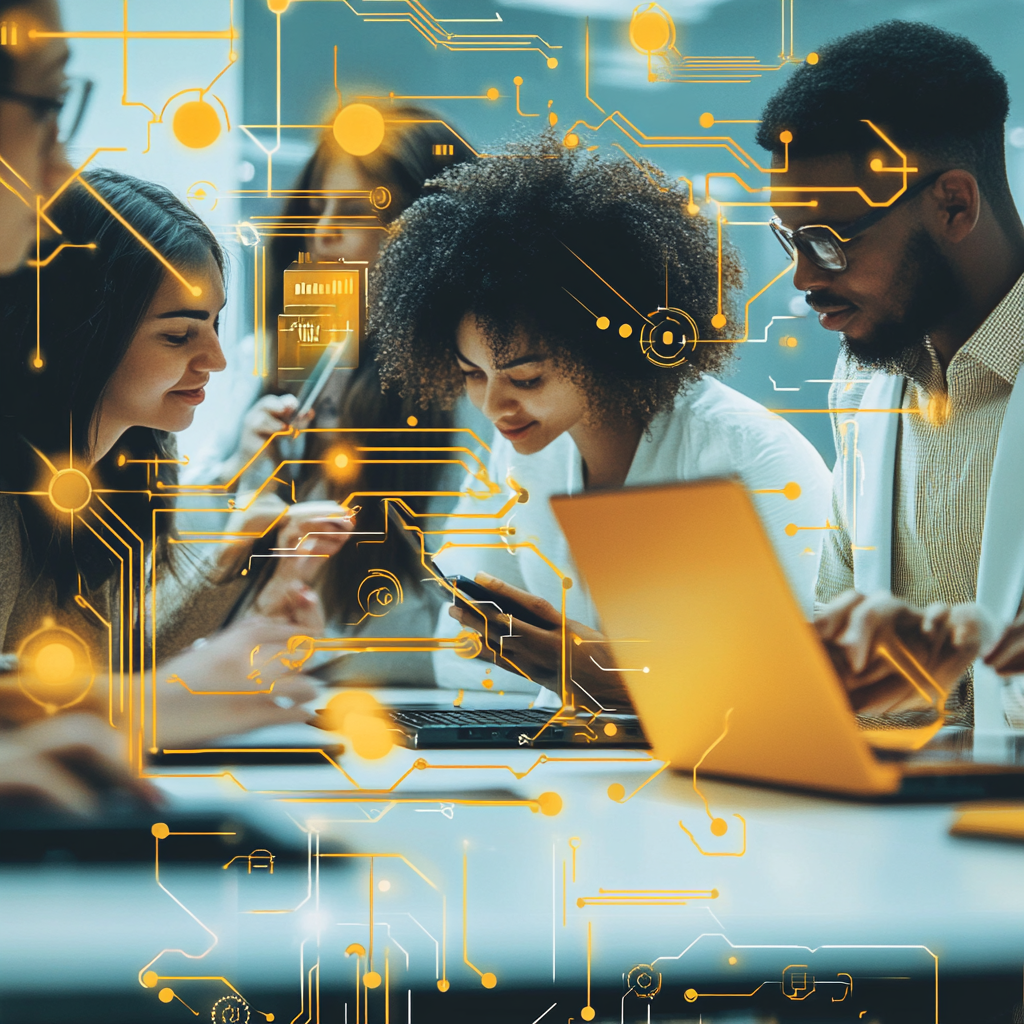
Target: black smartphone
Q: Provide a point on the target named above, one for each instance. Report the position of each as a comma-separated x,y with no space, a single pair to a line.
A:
506,605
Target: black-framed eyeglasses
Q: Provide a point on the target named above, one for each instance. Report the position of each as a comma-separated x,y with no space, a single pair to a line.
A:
67,110
823,245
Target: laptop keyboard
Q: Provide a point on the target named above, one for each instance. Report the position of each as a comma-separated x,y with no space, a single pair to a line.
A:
469,717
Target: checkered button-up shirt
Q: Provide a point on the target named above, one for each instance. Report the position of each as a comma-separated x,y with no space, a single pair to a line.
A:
944,455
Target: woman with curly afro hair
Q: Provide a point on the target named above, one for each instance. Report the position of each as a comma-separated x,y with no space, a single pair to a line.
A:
576,300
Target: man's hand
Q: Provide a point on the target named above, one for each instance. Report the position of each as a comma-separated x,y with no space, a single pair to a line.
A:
67,762
1007,656
893,656
537,652
240,679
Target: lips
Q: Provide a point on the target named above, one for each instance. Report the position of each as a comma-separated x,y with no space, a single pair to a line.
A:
192,397
515,433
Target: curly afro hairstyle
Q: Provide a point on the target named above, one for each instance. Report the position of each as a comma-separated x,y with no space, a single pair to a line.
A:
564,246
928,89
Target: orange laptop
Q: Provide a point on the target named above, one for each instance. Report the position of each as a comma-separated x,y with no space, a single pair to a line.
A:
687,569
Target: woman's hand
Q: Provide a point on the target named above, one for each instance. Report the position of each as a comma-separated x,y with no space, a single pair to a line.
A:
537,653
242,678
272,413
1007,656
67,762
893,656
307,535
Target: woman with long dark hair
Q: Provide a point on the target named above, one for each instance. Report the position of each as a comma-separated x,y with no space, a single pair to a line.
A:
330,223
96,372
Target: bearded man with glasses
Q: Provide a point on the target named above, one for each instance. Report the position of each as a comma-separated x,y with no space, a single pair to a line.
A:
890,192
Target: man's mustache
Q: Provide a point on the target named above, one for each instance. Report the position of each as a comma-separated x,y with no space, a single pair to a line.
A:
825,300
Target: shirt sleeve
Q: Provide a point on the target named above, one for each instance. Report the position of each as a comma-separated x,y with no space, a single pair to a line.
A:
793,519
835,573
468,548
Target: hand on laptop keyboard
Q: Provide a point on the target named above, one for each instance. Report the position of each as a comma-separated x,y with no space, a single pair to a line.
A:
537,653
893,656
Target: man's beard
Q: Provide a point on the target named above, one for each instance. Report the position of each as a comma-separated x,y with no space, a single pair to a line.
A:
930,290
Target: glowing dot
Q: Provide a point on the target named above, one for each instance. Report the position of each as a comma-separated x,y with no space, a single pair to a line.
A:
785,137
488,980
690,995
719,827
571,141
552,119
70,490
791,490
419,764
269,1016
37,363
196,290
161,831
603,323
341,461
714,894
876,164
54,665
492,94
692,209
646,669
616,791
666,338
412,421
588,1013
371,979
359,129
577,640
383,885
165,995
150,978
550,804
791,529
122,459
707,120
443,985
651,30
196,124
245,572
812,58
566,583
610,729
487,684
718,320
732,960
552,62
517,80
625,330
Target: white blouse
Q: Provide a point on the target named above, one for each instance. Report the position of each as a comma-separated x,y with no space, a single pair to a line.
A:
711,431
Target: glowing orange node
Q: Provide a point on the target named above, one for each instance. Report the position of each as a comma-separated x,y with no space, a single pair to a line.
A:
359,129
196,124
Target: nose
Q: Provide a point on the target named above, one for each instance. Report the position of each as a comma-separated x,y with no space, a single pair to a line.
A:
210,358
497,401
57,169
328,233
808,276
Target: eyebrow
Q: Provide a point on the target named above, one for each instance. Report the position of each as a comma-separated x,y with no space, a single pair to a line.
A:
531,357
192,314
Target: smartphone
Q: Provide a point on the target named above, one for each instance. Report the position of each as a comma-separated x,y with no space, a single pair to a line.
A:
506,605
317,380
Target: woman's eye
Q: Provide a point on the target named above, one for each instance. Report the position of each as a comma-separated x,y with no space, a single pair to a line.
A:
472,375
532,382
177,339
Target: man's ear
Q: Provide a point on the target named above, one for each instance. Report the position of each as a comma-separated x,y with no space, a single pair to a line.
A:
955,205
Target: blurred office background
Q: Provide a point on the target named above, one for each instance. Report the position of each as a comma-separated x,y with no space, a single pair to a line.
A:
383,58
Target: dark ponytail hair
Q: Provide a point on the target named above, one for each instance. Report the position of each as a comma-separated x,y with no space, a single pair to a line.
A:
91,303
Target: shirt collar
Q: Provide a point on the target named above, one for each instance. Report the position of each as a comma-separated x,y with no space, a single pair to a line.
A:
998,344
